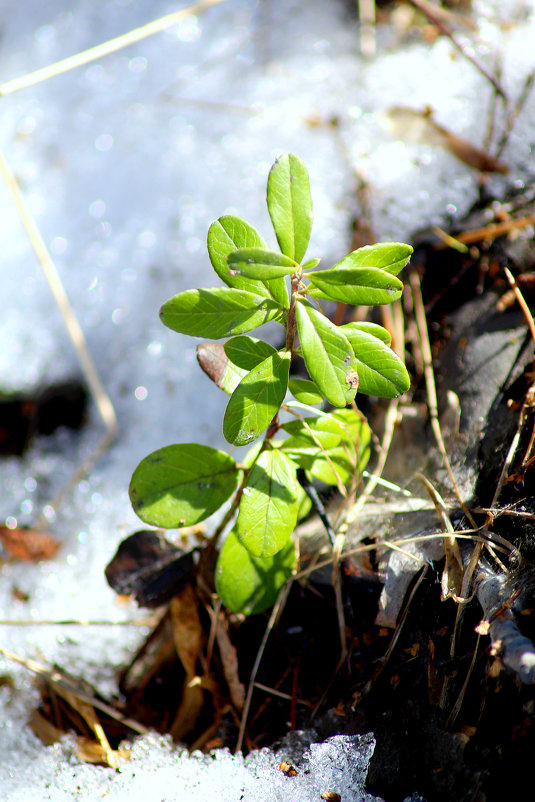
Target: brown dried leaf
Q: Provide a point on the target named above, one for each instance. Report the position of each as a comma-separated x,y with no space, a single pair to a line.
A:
28,545
92,752
187,635
229,660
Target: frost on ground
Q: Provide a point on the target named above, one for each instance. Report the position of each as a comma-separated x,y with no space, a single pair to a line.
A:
124,163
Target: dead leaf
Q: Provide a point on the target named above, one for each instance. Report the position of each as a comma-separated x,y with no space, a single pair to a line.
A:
28,545
229,660
92,752
187,635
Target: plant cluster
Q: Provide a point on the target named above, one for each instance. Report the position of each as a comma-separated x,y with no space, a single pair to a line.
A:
182,484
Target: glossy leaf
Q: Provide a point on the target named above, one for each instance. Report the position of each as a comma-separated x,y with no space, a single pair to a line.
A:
311,264
217,312
374,329
268,508
389,256
228,234
218,367
257,399
305,391
328,355
290,205
183,484
247,352
368,286
258,263
381,371
247,584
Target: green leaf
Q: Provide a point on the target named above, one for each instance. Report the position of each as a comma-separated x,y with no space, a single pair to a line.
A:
247,352
217,312
290,205
268,508
355,285
374,329
257,399
228,234
305,391
247,584
328,355
311,264
257,263
180,485
389,256
381,371
218,367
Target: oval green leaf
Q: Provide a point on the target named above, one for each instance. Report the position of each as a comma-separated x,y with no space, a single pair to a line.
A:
368,286
328,355
257,399
381,371
183,484
228,234
218,367
247,584
305,391
374,329
217,312
389,256
290,205
247,352
268,508
258,263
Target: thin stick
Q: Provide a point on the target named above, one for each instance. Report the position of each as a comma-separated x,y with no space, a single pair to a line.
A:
279,604
72,622
367,27
428,10
429,374
105,48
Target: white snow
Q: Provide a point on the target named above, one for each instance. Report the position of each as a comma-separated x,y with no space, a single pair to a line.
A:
124,163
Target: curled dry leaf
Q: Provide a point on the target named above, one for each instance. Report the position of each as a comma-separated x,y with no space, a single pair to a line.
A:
28,545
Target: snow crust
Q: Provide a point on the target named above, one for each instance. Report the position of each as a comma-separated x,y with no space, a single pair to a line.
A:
124,163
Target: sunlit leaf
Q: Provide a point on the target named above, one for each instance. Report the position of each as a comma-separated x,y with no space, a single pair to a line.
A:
290,205
247,584
366,286
218,367
228,234
258,263
247,352
381,371
183,484
328,355
268,507
374,329
217,312
257,399
305,391
389,256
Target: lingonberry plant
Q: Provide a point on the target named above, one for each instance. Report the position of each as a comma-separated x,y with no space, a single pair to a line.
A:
180,485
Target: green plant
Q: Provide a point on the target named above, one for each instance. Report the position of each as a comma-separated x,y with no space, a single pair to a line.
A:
180,485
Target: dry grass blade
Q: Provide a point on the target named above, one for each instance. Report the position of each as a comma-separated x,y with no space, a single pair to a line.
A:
105,48
452,576
58,680
101,397
277,609
367,27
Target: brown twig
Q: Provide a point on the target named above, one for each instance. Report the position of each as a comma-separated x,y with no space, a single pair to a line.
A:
430,13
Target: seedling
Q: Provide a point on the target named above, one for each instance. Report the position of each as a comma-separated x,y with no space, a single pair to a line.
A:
180,485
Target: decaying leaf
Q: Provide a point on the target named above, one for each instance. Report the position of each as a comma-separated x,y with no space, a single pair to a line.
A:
229,660
187,635
418,126
28,545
